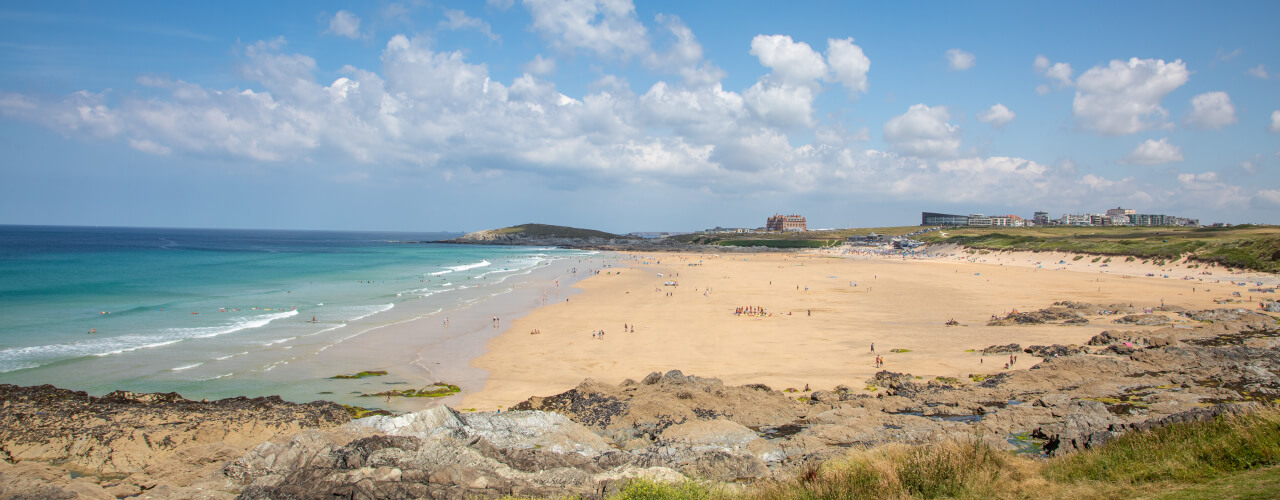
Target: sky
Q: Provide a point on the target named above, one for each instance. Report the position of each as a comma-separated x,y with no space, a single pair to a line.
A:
618,116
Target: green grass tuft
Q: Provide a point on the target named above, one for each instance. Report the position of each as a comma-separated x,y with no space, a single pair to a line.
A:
363,374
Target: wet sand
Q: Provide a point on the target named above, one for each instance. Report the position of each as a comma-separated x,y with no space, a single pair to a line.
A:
824,312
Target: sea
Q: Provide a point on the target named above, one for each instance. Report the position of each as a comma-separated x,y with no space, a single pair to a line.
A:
212,312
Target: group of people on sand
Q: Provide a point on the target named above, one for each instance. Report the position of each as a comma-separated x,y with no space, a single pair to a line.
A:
1012,359
535,331
750,311
879,361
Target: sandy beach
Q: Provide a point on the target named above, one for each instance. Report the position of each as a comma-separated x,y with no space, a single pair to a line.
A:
823,312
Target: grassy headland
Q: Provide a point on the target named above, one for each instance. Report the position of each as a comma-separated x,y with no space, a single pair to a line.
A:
550,231
1244,247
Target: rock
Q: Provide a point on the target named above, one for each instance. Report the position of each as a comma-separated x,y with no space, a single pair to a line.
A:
1047,315
123,433
1055,350
1002,349
1143,320
1112,336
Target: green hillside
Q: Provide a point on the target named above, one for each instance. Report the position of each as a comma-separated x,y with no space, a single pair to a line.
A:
1245,247
549,231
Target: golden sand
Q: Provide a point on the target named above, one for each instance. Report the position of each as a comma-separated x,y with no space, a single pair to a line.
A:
824,312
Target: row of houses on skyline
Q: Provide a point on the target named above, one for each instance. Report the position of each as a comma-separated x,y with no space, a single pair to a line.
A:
1113,217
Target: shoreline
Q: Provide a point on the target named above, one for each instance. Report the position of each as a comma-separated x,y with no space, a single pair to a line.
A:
896,303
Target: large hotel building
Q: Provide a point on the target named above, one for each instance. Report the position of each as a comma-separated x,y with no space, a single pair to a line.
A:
786,223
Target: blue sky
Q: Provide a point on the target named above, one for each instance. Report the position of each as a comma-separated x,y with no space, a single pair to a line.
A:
623,117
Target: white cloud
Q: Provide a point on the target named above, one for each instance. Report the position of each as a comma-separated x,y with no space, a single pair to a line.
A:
792,62
456,20
1259,71
1269,196
607,28
1124,97
345,24
849,64
1059,73
437,113
781,105
997,115
1275,121
960,60
923,131
684,57
540,65
1227,56
1153,152
147,146
1212,110
500,4
1042,89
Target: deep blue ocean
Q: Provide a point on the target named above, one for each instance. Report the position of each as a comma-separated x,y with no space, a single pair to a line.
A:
165,309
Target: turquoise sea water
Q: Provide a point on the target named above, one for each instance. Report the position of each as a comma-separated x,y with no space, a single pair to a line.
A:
196,310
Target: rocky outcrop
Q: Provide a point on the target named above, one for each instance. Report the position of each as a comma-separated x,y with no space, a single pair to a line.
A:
1055,350
1143,320
1055,314
141,440
1002,349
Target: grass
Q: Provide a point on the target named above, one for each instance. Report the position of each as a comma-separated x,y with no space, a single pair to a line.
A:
550,231
363,374
361,412
436,391
1242,247
1228,457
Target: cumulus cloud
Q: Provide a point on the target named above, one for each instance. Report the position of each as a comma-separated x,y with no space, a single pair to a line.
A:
684,57
429,111
791,61
780,104
1269,197
458,20
1059,73
997,115
1153,152
1258,71
849,65
540,65
346,24
923,131
1124,97
1212,110
960,60
607,28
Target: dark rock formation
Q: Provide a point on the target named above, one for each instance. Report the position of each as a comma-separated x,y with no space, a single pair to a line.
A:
1055,350
1002,349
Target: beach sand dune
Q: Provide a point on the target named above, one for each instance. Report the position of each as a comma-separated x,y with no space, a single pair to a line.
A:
823,313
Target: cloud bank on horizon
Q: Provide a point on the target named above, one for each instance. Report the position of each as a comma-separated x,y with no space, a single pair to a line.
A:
580,94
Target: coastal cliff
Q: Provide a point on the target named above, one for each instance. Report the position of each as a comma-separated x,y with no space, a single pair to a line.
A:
666,426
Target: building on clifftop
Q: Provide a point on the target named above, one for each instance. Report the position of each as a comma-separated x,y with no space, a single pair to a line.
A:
786,223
